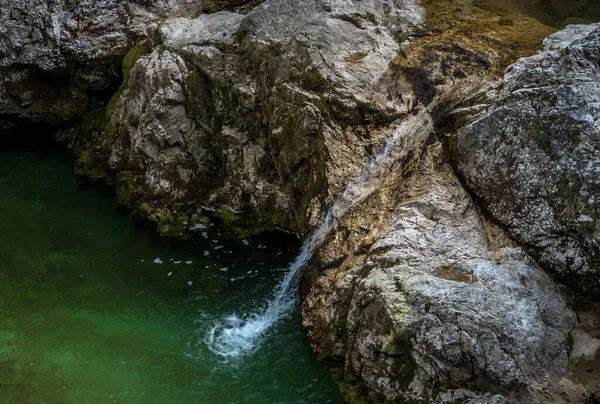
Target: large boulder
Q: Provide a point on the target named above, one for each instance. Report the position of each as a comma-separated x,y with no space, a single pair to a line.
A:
262,117
532,157
426,302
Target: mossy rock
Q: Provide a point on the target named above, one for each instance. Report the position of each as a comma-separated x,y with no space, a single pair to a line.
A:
126,192
353,393
86,167
133,55
93,122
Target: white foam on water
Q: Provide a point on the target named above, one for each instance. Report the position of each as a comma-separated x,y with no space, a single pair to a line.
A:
235,336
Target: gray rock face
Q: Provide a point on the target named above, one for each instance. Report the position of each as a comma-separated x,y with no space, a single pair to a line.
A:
533,157
430,302
57,57
47,53
294,91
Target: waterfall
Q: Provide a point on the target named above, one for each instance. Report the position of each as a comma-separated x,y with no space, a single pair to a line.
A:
58,16
235,336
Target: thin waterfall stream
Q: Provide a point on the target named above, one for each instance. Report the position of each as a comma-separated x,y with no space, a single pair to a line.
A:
234,335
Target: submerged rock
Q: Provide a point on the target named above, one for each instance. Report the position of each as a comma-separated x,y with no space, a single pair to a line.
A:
533,156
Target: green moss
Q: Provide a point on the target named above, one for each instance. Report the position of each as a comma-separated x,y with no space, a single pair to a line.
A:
91,126
392,347
126,192
93,122
244,224
353,393
160,49
168,223
427,305
87,167
229,216
130,59
232,118
196,218
356,57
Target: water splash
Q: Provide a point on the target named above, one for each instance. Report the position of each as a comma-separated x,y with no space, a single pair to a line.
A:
235,336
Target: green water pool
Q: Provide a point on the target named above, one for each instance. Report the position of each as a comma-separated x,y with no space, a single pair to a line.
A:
93,310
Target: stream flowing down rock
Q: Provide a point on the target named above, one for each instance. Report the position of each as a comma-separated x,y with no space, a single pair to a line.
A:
533,156
424,302
260,118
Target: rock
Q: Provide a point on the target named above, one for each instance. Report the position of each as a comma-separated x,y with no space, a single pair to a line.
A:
421,307
262,118
267,114
533,156
53,55
58,58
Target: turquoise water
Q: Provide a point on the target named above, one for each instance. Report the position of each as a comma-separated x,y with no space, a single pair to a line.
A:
88,314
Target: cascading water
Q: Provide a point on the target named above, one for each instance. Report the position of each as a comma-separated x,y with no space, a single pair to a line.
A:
59,16
235,336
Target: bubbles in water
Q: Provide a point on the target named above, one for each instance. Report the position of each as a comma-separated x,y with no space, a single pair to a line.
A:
240,335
